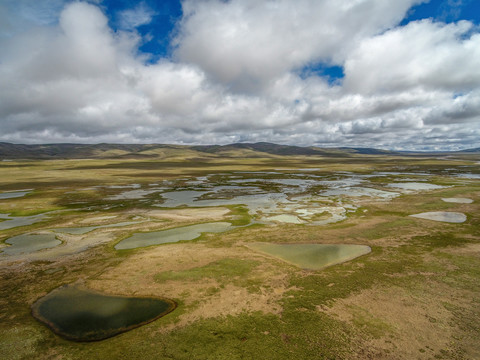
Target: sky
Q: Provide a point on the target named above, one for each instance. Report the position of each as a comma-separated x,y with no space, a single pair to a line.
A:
398,74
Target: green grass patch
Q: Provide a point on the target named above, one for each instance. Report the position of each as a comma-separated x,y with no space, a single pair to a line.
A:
439,240
247,336
373,326
390,228
239,215
224,270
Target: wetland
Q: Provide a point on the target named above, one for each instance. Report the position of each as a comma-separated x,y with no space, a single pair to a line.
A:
180,254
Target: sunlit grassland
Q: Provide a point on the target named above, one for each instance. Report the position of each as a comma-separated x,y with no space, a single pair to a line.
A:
431,266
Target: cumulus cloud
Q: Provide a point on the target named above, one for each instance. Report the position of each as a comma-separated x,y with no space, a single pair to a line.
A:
130,19
52,76
235,77
421,54
247,43
462,109
17,15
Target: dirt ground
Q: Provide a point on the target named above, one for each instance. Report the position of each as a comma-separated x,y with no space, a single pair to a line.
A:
135,276
413,323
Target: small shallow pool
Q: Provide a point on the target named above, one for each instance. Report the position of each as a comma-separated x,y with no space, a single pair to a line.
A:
312,256
27,243
171,235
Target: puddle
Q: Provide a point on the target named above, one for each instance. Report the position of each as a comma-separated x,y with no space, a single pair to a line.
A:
83,315
334,214
343,183
14,194
468,176
27,243
233,188
16,221
458,200
396,173
285,218
131,186
416,186
179,198
361,191
444,216
258,202
247,181
311,256
133,194
190,232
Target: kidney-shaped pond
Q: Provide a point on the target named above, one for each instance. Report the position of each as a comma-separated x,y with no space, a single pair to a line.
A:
312,256
83,315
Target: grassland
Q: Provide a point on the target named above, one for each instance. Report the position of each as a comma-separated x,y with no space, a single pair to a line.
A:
415,296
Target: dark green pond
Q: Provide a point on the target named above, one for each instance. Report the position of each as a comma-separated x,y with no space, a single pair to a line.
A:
83,315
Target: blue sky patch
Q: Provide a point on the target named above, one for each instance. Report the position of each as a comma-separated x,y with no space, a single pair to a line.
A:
156,33
445,11
332,73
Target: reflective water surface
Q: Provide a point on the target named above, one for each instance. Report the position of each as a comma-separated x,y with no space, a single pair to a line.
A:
443,216
83,315
13,194
312,256
171,235
27,243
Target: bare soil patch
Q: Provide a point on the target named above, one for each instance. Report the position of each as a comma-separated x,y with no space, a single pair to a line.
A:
202,298
189,214
394,324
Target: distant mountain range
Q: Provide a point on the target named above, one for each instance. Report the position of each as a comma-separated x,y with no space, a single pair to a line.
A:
102,151
276,149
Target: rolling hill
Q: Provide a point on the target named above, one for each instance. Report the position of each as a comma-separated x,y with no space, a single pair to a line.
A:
9,151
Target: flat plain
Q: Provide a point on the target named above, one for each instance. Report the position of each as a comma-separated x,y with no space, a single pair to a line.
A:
415,295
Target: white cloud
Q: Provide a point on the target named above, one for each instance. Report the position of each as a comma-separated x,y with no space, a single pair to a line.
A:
54,74
17,16
247,43
462,109
421,54
132,18
235,79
